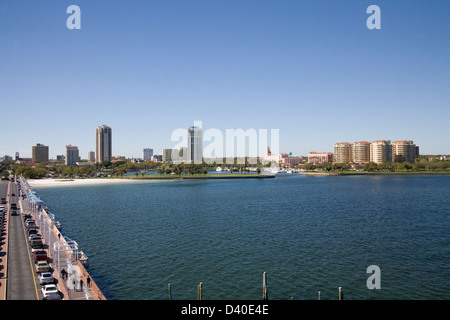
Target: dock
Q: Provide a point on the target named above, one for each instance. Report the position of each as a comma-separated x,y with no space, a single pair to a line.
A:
69,264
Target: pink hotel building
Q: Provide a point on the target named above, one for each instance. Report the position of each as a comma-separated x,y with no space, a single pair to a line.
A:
320,157
283,159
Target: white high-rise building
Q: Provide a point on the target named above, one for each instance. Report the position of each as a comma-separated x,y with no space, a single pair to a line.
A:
103,144
195,145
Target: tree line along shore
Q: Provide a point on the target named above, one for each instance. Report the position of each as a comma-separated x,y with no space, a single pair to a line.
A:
422,165
119,169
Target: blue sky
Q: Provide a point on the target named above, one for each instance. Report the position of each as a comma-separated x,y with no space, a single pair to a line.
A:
311,69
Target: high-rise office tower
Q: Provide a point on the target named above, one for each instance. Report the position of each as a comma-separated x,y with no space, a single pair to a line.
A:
195,145
39,153
72,155
103,143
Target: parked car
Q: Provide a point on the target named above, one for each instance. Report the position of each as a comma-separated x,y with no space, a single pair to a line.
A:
42,266
46,278
32,231
36,244
2,209
31,224
26,216
39,255
2,200
50,292
30,228
34,236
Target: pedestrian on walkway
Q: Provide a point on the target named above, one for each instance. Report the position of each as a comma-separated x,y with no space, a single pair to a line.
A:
88,280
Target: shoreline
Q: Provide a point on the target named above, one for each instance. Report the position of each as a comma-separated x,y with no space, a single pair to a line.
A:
58,182
424,173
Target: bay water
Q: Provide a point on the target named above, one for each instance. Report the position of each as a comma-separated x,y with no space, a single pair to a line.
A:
308,233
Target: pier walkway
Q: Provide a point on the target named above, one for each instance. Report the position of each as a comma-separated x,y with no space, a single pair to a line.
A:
68,263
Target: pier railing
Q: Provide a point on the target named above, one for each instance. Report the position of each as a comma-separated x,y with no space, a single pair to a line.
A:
63,251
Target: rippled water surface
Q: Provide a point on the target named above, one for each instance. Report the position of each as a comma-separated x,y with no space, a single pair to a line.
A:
309,234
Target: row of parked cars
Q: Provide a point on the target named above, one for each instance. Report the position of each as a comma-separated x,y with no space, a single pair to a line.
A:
2,217
2,214
43,268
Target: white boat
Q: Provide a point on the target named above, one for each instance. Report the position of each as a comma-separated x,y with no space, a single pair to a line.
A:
83,259
218,169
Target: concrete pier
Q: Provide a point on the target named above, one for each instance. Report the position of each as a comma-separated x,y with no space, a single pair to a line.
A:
64,256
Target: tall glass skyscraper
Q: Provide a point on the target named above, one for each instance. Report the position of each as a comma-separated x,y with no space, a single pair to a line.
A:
195,145
103,143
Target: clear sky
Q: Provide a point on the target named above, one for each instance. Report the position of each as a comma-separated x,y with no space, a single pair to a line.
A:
311,69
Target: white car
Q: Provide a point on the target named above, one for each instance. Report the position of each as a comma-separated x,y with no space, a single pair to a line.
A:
50,292
42,266
46,278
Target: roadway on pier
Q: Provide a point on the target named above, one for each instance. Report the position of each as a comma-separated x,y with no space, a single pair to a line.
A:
22,281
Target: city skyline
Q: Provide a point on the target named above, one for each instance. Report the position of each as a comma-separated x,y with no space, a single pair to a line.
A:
343,152
194,147
311,69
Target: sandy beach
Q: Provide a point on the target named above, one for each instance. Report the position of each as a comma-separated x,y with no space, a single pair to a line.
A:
80,182
147,179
